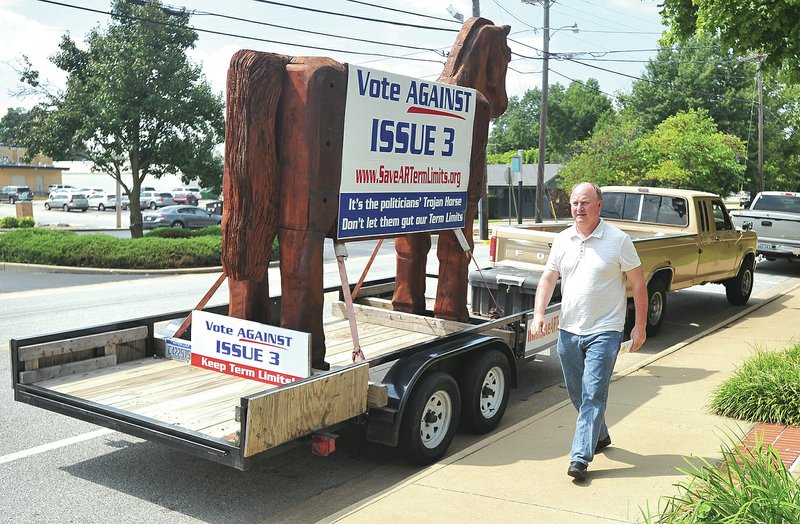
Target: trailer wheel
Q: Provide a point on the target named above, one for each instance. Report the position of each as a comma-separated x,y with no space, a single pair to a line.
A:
656,305
431,418
738,288
485,389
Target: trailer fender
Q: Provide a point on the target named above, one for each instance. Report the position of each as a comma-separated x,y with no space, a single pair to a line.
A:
384,423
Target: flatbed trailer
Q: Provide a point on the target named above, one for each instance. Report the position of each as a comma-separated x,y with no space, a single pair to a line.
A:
421,376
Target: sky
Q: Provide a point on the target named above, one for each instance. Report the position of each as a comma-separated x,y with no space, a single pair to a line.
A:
615,38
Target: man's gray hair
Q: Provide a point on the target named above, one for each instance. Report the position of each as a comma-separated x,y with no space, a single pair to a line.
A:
594,186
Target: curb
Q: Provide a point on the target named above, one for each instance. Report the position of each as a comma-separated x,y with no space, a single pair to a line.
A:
32,268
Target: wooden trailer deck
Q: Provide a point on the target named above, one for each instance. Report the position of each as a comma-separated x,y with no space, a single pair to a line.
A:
197,399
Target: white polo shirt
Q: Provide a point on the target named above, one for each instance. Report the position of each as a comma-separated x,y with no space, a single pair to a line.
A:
593,278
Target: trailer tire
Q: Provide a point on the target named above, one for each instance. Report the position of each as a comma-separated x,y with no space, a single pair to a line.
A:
430,418
485,387
739,288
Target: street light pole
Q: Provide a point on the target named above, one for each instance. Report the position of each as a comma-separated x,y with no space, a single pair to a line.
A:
543,112
760,130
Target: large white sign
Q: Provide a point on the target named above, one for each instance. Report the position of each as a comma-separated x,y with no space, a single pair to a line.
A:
406,154
249,350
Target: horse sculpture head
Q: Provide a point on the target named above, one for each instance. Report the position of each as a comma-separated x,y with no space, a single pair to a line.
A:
479,59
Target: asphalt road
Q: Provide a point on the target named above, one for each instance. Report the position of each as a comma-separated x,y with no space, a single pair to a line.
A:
56,469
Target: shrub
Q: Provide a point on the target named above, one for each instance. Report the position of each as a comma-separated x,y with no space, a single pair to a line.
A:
9,222
766,388
169,232
26,222
65,248
750,485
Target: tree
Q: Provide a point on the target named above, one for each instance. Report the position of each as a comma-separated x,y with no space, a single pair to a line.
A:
12,126
753,27
572,114
134,101
685,151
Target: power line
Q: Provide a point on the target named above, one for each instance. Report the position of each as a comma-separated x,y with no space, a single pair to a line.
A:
222,33
355,17
449,20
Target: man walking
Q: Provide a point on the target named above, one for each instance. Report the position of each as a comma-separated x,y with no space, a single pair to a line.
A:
594,259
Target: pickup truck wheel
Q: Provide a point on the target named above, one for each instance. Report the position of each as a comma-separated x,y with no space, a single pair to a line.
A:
656,305
738,288
485,388
430,419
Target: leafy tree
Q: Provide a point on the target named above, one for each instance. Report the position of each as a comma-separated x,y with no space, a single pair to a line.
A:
685,151
134,101
572,113
608,157
518,127
688,151
12,126
696,75
752,27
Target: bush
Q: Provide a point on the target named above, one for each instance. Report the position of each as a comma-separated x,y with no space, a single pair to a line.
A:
169,232
750,485
766,388
9,223
65,248
26,222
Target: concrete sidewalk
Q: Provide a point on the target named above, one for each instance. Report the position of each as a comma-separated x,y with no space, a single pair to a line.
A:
657,414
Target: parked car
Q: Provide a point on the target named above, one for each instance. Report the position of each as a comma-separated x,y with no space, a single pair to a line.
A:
54,187
146,188
125,202
155,199
180,216
185,198
12,194
191,189
67,200
90,190
102,201
775,217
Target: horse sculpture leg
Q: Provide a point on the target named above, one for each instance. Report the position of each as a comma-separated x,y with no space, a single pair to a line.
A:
251,184
310,153
412,253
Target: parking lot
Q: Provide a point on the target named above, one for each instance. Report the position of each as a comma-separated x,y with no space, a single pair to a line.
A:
91,219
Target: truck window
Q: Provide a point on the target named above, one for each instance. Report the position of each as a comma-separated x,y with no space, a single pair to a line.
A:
621,206
778,203
722,221
639,207
702,215
664,210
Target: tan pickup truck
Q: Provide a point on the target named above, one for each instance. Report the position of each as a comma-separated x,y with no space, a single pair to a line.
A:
683,238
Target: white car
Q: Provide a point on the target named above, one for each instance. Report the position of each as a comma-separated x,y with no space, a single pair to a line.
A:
102,201
189,189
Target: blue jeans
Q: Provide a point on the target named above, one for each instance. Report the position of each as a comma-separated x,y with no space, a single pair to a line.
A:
588,362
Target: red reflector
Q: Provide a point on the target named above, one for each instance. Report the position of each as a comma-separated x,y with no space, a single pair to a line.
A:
323,445
492,248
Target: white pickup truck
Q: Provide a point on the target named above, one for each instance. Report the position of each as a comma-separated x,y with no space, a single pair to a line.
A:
683,238
775,217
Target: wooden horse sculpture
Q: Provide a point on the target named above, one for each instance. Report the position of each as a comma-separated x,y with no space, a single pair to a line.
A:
283,157
479,60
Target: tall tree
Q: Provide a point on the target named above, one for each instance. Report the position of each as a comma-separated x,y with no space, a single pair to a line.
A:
12,126
134,101
572,114
685,151
763,27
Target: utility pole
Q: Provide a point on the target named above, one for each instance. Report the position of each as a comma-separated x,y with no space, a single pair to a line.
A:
543,112
760,128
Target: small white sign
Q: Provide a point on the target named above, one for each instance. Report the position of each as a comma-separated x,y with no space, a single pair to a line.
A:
535,343
249,349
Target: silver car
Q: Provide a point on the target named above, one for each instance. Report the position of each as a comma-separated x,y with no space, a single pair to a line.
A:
191,217
67,200
155,199
102,201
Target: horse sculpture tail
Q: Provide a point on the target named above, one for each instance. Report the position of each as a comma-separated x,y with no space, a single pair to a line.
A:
251,185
